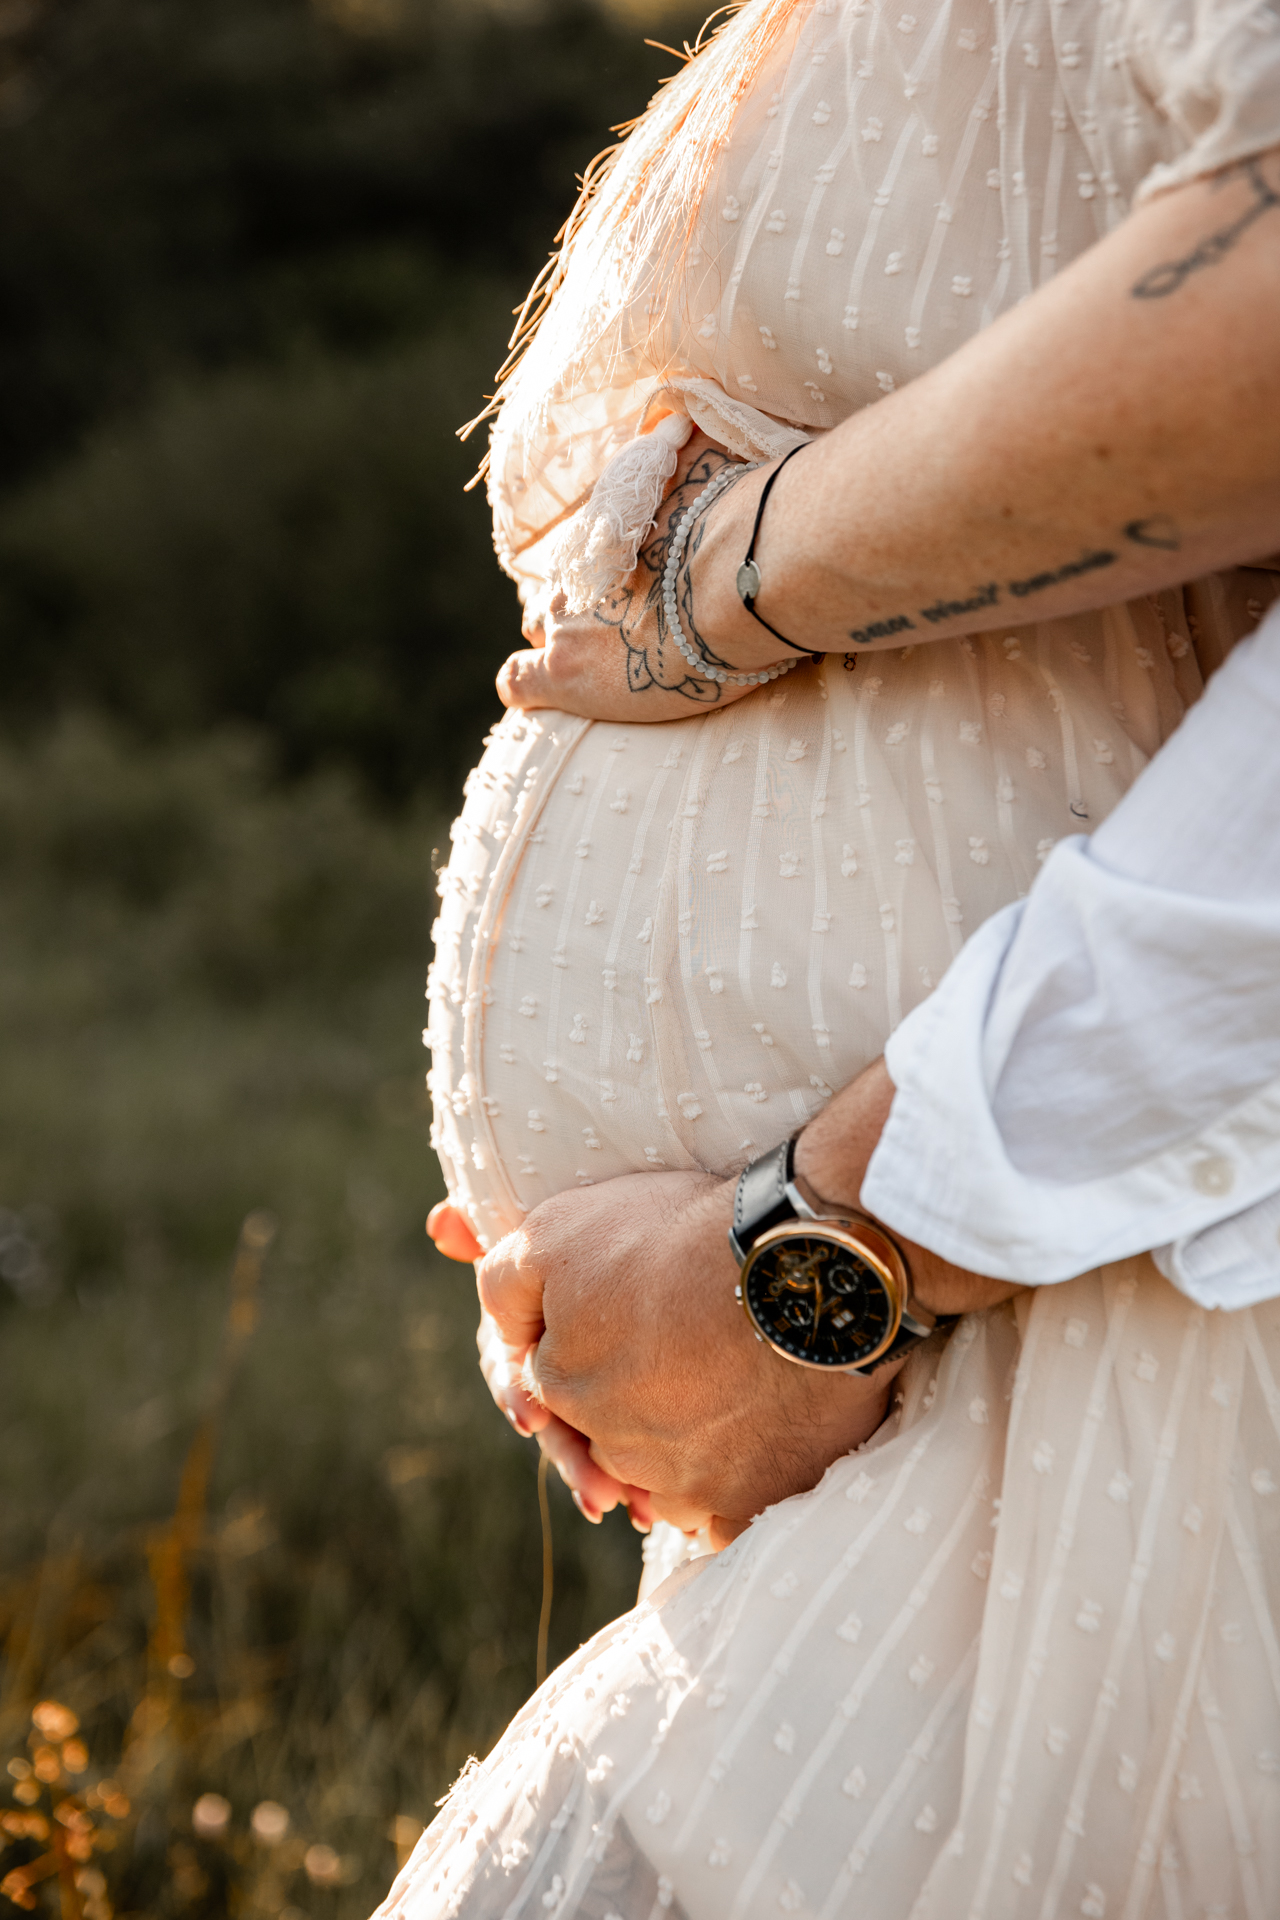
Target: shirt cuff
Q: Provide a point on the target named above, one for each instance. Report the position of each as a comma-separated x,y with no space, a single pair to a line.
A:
940,1174
1234,1264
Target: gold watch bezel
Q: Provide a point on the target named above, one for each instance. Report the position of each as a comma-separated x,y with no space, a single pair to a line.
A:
874,1248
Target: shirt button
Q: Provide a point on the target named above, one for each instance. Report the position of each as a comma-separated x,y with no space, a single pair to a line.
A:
1214,1175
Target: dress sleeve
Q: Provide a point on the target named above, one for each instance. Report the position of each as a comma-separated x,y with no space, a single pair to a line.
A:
1213,69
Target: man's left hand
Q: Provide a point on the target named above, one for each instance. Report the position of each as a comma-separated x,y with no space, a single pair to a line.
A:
613,1332
618,1301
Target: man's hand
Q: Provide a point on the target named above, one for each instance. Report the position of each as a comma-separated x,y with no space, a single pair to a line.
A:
832,1156
611,1314
619,661
594,1491
619,1301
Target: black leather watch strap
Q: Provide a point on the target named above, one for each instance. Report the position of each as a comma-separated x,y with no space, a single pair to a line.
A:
762,1199
909,1334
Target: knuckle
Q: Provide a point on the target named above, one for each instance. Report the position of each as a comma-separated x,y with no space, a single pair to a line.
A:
487,1286
633,1466
560,1392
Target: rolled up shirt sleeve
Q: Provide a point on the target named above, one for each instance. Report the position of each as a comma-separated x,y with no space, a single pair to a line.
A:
1098,1073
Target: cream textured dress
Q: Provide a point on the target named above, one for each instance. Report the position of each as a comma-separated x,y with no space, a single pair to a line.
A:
1017,1656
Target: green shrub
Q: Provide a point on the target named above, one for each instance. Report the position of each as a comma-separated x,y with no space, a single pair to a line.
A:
210,1002
295,552
186,188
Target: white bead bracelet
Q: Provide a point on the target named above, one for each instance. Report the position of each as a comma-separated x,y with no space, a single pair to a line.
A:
679,541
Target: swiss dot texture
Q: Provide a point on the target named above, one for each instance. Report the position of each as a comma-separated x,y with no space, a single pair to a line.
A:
1029,1632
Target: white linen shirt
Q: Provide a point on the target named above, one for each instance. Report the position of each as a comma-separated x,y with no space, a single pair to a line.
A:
1098,1073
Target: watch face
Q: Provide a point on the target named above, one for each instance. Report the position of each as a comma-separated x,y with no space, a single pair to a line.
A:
818,1300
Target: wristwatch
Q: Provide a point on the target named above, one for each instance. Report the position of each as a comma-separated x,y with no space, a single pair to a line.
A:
827,1291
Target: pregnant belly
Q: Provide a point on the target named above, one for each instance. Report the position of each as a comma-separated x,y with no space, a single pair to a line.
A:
665,946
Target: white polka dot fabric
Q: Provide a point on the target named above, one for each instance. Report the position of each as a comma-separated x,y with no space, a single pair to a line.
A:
919,169
665,946
1016,1657
904,173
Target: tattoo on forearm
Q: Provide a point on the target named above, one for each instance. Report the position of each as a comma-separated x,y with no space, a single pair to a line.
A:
1155,530
881,629
1172,275
983,597
986,596
1087,563
660,663
1158,531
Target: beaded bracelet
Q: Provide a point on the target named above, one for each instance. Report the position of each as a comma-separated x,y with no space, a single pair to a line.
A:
679,541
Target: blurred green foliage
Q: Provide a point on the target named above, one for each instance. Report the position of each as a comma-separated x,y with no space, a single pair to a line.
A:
256,264
257,259
208,986
288,547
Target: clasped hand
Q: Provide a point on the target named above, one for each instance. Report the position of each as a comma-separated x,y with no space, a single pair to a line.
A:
611,1331
610,1313
619,661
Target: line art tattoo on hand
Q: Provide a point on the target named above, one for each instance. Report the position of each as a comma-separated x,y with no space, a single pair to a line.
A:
659,663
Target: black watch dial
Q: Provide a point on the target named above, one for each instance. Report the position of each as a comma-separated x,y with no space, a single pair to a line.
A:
817,1300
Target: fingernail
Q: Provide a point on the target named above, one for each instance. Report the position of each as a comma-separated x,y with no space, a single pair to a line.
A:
526,1433
640,1526
588,1513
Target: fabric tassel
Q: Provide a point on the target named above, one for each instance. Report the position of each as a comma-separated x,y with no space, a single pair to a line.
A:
601,544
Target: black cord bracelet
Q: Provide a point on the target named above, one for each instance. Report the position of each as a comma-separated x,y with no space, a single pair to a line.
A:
748,581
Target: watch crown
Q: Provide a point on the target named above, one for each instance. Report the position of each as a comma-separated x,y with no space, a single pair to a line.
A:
737,1293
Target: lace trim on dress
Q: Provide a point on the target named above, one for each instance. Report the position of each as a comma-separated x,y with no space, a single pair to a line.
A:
601,544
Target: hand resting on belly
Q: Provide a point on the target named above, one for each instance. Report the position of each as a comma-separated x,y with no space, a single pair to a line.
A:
612,1331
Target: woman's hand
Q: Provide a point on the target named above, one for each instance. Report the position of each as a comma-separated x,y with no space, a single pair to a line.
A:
619,661
594,1491
1097,442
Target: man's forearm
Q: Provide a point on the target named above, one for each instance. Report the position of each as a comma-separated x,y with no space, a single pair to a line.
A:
832,1155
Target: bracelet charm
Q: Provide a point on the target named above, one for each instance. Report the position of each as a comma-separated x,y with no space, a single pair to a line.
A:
748,576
